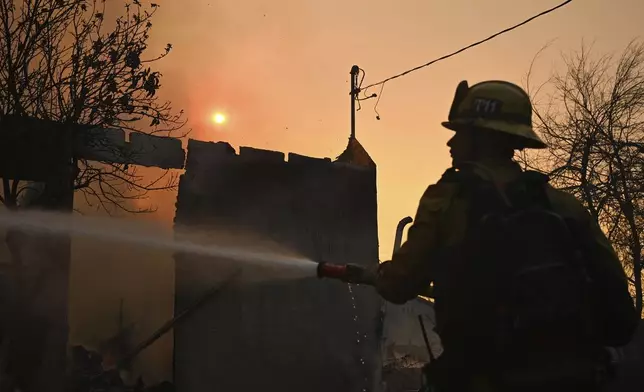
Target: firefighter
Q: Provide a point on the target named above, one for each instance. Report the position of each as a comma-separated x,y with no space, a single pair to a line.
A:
491,120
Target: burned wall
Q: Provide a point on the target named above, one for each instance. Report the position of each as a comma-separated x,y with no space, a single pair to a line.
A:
289,335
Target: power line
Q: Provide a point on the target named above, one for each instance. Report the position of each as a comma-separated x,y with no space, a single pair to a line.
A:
382,82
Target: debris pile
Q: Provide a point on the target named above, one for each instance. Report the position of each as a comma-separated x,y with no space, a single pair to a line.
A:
87,374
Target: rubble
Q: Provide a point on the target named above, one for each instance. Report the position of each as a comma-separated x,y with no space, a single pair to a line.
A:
88,374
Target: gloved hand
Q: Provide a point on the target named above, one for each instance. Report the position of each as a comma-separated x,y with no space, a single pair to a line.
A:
359,275
387,292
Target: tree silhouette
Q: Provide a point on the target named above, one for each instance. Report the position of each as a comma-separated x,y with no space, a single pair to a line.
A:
61,60
592,118
64,62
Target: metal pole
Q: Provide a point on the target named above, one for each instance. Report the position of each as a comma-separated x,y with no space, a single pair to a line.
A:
355,70
429,347
170,324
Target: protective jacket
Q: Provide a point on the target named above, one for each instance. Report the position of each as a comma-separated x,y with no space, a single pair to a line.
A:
441,223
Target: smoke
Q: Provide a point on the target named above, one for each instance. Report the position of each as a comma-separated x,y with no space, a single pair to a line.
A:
247,59
237,57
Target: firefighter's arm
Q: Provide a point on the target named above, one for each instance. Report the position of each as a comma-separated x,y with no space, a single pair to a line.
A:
409,272
611,288
612,298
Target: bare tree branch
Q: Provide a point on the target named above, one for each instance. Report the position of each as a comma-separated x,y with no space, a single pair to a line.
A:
594,125
59,62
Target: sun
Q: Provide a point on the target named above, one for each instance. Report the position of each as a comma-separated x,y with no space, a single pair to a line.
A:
218,118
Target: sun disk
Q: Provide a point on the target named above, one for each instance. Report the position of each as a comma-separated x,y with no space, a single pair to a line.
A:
218,118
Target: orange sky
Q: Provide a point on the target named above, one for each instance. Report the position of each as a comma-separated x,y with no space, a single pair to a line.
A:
279,69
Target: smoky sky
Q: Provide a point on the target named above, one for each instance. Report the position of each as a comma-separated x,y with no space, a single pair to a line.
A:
279,70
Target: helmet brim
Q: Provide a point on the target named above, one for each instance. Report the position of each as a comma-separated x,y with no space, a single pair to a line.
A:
525,135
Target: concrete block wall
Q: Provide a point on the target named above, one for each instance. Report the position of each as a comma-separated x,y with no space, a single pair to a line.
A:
110,144
284,335
156,151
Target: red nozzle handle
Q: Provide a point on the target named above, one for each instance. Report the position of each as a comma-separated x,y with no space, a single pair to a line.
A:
333,271
349,273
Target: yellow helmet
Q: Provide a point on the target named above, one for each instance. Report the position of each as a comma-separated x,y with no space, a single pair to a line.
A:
497,106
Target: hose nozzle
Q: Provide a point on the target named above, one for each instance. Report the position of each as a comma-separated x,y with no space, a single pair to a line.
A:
348,273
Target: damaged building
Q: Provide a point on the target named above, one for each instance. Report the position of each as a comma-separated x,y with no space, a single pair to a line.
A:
403,348
273,334
281,335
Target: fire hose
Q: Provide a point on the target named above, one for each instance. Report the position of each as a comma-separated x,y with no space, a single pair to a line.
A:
354,274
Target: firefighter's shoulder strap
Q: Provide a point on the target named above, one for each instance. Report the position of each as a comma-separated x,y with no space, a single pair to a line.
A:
533,183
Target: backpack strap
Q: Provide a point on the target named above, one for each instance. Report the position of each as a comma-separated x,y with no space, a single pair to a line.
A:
534,185
466,178
474,183
535,194
450,175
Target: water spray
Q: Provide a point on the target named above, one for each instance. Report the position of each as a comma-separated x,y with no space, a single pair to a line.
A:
137,233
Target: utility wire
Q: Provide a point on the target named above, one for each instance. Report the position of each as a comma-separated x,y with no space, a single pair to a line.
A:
466,47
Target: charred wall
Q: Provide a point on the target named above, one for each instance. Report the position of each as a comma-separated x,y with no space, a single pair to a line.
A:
278,335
